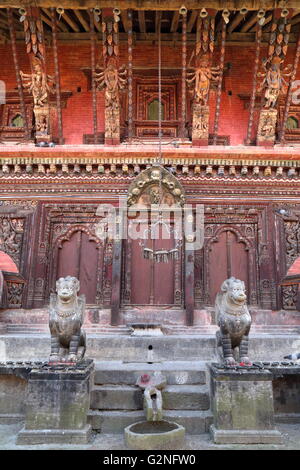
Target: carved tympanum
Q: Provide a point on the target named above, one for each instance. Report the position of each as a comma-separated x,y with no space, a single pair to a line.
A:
153,186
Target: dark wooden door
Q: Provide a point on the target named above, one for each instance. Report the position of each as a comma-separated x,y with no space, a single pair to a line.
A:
228,256
146,282
79,257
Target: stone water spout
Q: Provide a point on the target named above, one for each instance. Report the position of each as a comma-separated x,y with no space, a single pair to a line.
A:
155,433
152,386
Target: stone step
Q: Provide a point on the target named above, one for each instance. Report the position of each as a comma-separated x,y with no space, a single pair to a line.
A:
105,347
114,422
130,397
176,372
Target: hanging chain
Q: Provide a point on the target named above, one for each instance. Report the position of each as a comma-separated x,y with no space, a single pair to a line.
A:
159,92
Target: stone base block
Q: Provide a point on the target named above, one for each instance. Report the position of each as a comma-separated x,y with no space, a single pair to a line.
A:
54,436
11,418
232,436
200,142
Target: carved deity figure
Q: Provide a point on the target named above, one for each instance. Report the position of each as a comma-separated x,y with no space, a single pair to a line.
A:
38,83
112,79
66,316
267,128
199,79
234,321
273,81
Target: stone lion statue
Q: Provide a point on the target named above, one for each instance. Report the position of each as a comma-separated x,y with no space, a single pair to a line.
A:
234,320
66,316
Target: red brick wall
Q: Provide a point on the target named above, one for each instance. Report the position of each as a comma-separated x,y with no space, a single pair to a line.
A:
77,117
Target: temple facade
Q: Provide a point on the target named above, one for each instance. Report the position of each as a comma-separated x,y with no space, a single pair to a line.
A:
179,105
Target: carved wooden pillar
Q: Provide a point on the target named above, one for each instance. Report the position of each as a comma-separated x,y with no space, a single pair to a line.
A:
289,94
273,79
183,77
199,77
220,78
117,272
189,285
298,299
37,82
112,79
17,70
130,77
266,259
93,67
57,77
253,95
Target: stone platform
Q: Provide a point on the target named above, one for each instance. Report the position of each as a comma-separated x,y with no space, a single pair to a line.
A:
185,344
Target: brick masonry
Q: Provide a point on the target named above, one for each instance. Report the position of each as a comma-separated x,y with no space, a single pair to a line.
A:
77,117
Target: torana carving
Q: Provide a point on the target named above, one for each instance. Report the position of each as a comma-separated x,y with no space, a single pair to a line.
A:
234,321
146,188
66,316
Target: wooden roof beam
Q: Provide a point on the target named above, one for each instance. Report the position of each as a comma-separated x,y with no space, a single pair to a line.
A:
158,16
175,21
142,22
268,20
82,20
192,20
70,22
124,17
249,23
60,25
235,22
296,20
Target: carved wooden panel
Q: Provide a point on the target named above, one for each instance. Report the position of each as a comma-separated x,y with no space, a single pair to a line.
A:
68,245
291,227
230,249
11,236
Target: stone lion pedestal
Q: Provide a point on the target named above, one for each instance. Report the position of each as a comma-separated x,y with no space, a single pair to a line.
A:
242,405
57,403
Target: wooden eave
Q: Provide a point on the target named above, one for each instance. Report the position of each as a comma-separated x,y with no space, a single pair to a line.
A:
157,4
23,154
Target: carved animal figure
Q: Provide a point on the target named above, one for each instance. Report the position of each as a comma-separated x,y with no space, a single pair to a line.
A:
68,341
234,320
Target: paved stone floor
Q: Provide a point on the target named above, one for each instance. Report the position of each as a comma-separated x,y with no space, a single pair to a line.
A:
290,432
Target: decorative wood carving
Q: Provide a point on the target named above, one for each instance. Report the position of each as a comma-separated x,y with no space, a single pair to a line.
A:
112,79
38,82
144,189
292,237
11,237
63,223
230,234
289,297
273,80
14,294
200,77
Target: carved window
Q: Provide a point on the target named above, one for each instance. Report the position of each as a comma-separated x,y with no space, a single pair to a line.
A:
292,123
17,121
153,111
